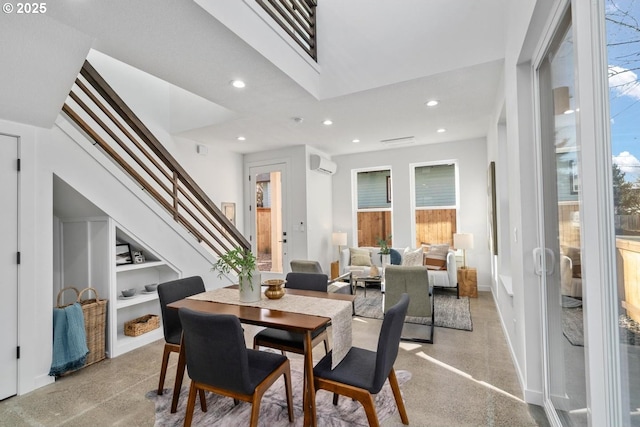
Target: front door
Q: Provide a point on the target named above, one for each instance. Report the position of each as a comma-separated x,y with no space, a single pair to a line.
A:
8,266
558,259
268,218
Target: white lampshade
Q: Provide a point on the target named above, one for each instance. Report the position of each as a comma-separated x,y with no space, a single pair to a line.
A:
463,241
339,238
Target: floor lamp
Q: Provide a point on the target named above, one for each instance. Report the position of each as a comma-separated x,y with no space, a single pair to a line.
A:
463,241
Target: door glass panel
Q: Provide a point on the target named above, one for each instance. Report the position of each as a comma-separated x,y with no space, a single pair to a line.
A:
623,51
268,221
565,387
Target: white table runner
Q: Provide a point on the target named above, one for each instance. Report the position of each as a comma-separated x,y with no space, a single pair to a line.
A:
337,310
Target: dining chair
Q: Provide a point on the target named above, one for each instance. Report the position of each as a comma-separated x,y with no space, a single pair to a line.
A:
218,361
169,292
291,341
362,373
414,281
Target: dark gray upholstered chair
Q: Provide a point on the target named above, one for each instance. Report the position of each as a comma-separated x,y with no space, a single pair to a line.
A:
415,282
169,292
219,361
342,284
362,373
291,341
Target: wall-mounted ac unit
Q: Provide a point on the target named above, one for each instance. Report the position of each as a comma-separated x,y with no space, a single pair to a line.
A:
320,164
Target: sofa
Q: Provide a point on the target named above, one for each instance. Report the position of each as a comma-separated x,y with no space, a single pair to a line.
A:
446,277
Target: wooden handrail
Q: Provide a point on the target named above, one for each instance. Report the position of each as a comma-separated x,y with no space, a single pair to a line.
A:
107,120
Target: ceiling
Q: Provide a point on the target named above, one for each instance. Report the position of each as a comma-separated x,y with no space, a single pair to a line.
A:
378,65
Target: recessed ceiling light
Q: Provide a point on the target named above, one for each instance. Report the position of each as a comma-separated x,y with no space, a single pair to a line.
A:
241,138
355,141
431,103
238,84
327,122
441,130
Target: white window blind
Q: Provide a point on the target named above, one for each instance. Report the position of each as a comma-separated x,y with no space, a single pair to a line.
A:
435,186
373,191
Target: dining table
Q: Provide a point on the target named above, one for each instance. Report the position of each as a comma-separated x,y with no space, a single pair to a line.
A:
301,312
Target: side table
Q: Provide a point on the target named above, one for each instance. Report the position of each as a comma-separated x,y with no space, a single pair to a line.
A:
335,269
468,282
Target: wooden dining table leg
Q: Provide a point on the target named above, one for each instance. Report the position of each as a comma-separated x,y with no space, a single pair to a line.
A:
182,363
309,395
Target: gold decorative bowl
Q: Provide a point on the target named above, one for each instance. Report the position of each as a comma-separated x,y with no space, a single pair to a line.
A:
275,290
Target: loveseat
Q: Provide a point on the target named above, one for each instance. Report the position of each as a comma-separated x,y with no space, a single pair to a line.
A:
446,277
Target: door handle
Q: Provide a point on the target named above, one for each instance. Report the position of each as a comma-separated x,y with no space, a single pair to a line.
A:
549,267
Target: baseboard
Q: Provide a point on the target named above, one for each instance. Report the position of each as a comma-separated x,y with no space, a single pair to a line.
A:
519,374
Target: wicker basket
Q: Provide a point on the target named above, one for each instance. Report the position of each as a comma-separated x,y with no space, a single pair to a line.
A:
94,311
141,325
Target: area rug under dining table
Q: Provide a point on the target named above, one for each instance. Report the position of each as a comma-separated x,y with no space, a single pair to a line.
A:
273,409
450,312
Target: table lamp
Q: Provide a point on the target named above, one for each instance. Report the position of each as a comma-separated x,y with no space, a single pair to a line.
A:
463,241
339,239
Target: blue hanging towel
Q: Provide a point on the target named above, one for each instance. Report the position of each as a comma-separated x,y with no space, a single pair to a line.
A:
69,340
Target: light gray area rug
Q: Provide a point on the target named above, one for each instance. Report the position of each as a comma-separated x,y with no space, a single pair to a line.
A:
573,327
273,409
450,312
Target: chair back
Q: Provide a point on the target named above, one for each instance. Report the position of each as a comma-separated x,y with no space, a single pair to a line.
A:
389,341
413,281
215,350
305,266
173,291
307,281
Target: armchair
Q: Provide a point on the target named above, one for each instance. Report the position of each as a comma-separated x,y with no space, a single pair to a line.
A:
413,281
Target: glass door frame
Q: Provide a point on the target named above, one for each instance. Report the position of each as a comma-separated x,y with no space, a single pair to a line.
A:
275,165
602,366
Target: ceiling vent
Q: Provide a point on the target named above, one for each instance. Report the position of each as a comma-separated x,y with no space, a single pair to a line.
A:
399,141
320,164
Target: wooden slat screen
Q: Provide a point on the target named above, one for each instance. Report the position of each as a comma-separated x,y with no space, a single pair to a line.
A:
568,223
104,117
372,226
435,226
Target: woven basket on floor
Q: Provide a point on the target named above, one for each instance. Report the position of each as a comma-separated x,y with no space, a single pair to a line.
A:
94,311
141,325
95,317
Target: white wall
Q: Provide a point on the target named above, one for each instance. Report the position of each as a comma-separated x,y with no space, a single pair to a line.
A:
471,157
47,152
309,200
319,215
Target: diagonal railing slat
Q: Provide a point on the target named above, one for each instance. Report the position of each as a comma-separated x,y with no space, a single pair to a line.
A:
104,117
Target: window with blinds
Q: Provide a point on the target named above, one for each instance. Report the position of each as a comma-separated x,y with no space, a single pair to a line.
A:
435,203
435,186
374,206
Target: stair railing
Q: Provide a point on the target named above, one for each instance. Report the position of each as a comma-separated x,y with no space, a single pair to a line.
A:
105,118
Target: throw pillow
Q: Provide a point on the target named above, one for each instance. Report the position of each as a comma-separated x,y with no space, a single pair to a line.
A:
412,257
396,258
361,257
436,257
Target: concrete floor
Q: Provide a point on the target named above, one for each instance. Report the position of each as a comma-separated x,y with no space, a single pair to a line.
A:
464,379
